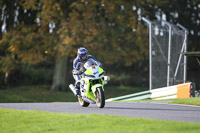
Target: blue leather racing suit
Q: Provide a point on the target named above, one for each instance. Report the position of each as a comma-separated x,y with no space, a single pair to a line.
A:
76,68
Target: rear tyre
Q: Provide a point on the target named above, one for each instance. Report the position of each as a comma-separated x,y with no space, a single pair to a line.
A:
82,102
100,99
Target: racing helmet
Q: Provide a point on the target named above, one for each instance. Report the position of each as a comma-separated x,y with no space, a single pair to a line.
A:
82,54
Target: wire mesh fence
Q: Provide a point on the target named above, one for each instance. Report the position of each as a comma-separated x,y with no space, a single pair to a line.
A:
166,52
160,40
178,37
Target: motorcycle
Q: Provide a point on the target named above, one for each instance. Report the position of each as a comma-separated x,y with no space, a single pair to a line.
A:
91,85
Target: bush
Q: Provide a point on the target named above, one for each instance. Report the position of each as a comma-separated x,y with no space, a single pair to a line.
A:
134,75
37,76
31,76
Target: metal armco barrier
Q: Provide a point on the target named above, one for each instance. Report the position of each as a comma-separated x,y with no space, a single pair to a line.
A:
135,96
176,91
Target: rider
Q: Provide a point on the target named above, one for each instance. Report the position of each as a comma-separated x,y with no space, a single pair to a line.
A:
82,57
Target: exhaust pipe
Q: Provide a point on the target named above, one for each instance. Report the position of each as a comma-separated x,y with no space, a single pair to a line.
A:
73,88
88,100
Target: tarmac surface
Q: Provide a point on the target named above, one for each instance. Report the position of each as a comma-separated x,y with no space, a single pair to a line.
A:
160,111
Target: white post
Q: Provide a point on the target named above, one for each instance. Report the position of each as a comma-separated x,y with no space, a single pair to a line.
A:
185,50
169,51
179,60
150,51
185,61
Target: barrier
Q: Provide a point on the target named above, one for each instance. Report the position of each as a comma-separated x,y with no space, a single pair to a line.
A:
141,97
171,92
161,93
167,97
135,96
183,90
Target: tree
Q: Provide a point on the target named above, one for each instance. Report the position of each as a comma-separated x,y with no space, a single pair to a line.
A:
58,27
29,32
38,30
109,29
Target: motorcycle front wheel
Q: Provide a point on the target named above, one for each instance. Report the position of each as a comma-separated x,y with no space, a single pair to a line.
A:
100,99
82,102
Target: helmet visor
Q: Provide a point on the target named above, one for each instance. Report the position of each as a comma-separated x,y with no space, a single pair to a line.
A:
84,57
84,54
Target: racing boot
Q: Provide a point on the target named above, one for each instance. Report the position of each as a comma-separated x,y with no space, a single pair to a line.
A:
77,85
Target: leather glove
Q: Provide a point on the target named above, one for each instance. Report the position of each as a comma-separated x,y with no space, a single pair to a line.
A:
77,72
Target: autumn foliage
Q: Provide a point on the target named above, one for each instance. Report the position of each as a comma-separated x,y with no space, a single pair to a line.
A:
35,31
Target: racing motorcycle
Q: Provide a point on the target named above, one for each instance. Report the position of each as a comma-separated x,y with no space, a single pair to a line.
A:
91,85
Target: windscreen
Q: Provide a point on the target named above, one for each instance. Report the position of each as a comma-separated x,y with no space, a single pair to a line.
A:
90,63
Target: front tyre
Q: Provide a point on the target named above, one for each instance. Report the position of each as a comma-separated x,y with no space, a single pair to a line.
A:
82,102
100,99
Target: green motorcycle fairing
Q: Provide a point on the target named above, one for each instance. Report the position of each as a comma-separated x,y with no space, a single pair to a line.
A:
90,93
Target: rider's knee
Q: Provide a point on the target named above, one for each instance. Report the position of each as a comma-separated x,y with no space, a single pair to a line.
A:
77,85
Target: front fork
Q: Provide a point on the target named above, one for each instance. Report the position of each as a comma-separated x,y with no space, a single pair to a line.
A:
94,88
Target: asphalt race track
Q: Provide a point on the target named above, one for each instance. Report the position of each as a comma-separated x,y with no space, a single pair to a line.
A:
138,109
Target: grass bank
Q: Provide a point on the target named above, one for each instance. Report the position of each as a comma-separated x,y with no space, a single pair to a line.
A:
15,121
42,93
188,101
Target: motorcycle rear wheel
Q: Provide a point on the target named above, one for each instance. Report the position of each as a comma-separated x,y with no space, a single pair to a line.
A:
82,102
100,99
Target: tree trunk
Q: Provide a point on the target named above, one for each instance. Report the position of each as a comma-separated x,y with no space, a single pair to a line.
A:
6,78
60,75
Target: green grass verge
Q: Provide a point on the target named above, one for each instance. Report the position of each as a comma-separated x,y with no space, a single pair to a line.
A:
188,101
34,94
15,121
42,93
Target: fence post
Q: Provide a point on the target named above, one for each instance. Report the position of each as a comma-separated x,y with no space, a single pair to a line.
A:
169,51
185,50
150,51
